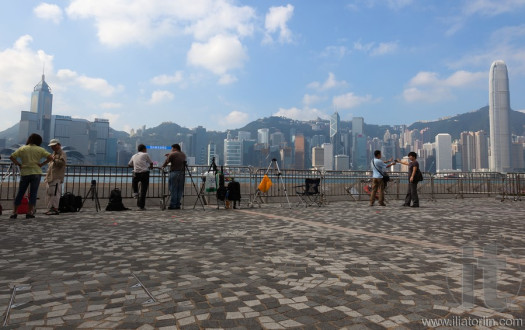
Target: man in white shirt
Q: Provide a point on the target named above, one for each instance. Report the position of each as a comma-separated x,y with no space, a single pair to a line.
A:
141,163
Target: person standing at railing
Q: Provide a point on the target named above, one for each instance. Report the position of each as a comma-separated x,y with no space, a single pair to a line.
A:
413,167
177,161
378,171
28,158
55,177
142,164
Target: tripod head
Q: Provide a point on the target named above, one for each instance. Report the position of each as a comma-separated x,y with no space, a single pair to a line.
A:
93,183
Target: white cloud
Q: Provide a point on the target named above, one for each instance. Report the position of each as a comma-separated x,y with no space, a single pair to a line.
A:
98,85
161,96
385,48
482,8
110,105
219,55
277,21
428,87
350,100
505,44
227,79
49,11
20,68
301,114
223,18
491,7
235,119
122,22
310,99
330,83
382,48
392,4
166,80
335,51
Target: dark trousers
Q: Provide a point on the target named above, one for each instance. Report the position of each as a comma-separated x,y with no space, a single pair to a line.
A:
176,184
33,182
412,194
143,178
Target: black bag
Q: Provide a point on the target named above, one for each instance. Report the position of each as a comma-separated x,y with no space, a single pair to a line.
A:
221,189
234,191
69,203
115,201
419,176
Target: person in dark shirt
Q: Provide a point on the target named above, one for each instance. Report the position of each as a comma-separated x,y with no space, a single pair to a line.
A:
177,160
413,166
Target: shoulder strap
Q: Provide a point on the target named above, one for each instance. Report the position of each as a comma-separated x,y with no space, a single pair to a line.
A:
374,163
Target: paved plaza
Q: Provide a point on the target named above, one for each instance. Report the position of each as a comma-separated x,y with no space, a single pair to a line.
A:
344,265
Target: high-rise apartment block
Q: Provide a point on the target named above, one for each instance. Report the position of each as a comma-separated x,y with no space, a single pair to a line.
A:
443,147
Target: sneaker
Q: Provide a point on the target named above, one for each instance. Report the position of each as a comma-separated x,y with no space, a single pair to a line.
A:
141,209
30,216
13,216
382,204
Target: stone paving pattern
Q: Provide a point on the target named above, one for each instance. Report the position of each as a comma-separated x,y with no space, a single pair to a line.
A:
345,265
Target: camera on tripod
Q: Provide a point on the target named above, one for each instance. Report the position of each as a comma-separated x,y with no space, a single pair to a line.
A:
93,183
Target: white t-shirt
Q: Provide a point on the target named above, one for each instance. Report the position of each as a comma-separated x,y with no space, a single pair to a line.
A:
140,162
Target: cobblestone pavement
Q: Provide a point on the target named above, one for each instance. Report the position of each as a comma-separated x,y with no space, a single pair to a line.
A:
345,265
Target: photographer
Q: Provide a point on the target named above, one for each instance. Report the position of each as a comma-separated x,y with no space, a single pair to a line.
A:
177,161
141,163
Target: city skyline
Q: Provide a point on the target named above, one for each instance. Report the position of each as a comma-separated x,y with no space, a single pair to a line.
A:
222,64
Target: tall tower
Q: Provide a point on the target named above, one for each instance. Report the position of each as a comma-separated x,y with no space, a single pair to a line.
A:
499,109
42,104
335,133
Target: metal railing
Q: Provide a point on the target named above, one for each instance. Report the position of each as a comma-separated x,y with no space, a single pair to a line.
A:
335,185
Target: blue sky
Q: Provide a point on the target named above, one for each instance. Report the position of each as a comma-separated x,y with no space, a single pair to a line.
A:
224,63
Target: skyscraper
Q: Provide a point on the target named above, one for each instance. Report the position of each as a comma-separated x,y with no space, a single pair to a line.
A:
38,119
335,133
499,109
443,152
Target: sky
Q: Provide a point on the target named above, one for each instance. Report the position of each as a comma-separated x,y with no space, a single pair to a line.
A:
224,63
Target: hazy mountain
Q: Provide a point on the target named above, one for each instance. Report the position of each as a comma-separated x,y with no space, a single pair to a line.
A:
166,133
470,121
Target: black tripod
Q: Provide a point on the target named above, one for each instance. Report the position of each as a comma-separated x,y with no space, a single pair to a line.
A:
93,194
201,192
187,170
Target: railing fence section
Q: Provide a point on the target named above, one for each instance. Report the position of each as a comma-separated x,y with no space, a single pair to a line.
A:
335,185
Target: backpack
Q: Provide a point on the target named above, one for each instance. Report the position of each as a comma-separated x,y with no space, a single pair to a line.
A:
115,201
221,190
419,176
69,203
234,191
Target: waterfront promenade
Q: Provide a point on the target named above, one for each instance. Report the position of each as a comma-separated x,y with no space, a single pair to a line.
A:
345,265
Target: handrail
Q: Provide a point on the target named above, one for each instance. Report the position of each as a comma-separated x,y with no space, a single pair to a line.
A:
336,185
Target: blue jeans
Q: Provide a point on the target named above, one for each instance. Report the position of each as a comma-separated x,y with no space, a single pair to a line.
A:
176,183
33,182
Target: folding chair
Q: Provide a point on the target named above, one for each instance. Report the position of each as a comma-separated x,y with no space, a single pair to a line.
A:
309,193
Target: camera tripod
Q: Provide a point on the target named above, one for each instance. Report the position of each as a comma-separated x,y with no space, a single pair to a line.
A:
257,199
93,194
201,193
